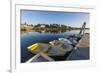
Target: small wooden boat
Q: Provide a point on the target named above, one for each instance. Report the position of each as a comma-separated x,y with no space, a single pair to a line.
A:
38,48
60,48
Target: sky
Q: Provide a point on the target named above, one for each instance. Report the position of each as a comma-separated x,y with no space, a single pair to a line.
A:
74,19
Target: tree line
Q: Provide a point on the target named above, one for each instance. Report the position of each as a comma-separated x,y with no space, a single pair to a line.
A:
48,27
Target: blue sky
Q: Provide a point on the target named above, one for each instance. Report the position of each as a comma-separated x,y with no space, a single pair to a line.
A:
50,17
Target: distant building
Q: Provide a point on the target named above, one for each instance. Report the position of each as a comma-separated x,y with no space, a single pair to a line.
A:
43,26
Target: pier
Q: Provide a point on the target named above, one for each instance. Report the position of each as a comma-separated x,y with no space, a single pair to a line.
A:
84,42
81,51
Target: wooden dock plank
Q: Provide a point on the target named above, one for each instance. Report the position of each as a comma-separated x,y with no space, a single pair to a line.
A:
84,42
